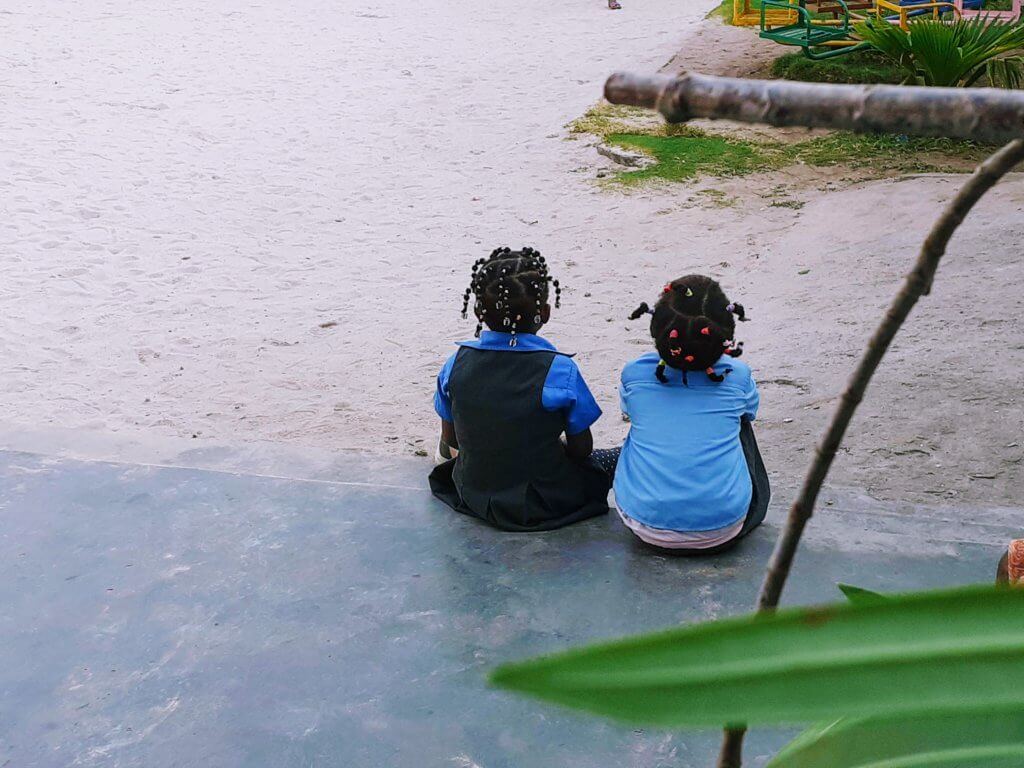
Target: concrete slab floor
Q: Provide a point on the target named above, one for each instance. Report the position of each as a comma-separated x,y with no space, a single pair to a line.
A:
175,616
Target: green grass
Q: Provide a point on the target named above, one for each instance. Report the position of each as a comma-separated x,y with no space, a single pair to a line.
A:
697,154
687,157
724,11
605,119
859,67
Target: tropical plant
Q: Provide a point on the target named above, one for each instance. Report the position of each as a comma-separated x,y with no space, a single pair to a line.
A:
926,680
900,655
953,54
985,738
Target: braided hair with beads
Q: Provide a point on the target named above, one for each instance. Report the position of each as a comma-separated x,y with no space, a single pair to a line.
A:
510,292
693,326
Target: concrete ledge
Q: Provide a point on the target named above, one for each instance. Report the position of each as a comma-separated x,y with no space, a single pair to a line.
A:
167,616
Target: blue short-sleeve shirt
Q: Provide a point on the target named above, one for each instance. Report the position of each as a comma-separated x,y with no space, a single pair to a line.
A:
564,388
682,467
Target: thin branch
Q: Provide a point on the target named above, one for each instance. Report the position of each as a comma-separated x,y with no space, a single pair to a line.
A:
988,115
731,754
917,284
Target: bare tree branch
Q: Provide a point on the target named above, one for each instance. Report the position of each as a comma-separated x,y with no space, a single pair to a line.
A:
916,284
731,753
987,115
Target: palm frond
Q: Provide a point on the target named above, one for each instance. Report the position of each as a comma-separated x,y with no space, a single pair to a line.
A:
1007,72
953,54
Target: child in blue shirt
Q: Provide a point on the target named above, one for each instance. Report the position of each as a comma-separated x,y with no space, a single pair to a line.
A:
690,477
505,401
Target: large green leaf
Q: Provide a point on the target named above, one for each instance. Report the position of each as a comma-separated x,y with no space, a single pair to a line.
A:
938,53
859,595
890,40
969,739
937,650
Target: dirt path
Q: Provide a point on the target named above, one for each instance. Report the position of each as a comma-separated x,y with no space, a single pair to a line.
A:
254,223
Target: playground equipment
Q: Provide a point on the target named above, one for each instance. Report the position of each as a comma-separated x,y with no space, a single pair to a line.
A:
745,15
819,39
972,8
805,23
900,12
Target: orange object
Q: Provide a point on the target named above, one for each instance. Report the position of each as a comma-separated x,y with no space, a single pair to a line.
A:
1015,562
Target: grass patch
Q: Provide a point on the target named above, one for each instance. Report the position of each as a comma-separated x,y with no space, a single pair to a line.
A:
859,67
724,11
681,158
605,119
716,198
887,155
795,205
696,154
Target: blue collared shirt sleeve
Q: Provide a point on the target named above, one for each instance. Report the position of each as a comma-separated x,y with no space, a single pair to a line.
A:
753,400
566,391
623,407
442,398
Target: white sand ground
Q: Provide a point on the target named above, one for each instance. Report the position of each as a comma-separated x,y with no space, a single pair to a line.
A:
253,221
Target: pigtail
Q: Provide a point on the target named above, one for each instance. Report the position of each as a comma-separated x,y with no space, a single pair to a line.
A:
659,372
737,309
640,311
734,348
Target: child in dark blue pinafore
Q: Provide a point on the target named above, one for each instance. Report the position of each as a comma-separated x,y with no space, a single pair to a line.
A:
515,412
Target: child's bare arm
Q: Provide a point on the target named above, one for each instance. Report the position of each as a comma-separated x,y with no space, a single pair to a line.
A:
580,445
448,447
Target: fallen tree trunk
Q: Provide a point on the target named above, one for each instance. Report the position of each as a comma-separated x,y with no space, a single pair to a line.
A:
987,115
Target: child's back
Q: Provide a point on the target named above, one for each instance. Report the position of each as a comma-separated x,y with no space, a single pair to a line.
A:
690,475
682,466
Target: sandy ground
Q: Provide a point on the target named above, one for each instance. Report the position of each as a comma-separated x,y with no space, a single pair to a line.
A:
253,221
